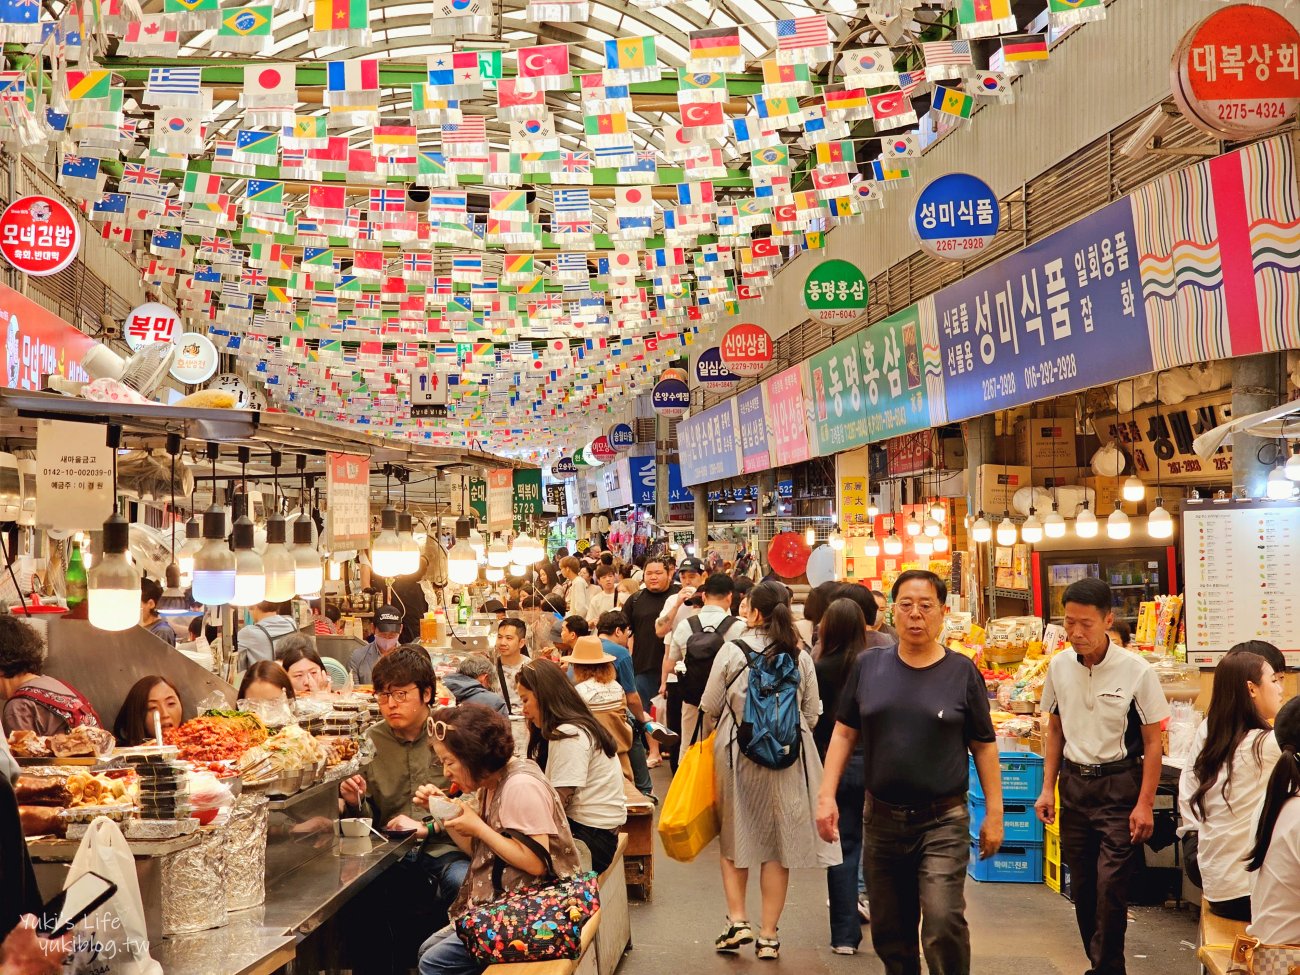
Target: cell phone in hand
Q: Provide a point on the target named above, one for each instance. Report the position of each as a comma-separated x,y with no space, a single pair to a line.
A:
68,907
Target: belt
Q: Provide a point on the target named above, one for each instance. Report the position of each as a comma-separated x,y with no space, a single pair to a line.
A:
1106,768
923,810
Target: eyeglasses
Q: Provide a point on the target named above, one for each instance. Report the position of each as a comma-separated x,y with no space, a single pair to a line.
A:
907,606
398,697
438,729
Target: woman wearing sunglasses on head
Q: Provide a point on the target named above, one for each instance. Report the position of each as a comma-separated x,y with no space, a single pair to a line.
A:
516,811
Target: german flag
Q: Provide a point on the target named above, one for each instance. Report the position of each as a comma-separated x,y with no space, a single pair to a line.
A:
1024,47
715,44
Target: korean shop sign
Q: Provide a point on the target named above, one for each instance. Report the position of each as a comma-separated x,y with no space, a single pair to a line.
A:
956,216
835,292
1162,441
39,235
527,487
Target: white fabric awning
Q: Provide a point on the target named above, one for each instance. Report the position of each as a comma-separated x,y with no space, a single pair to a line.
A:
1279,421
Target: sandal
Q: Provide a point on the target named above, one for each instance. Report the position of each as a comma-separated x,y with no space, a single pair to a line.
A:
739,933
767,949
653,762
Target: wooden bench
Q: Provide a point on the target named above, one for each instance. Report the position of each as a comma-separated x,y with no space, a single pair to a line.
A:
639,862
1218,934
605,938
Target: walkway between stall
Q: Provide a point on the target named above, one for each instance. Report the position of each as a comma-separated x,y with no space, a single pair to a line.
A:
1023,928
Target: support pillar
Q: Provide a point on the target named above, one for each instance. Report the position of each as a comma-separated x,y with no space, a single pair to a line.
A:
1254,387
766,486
662,433
700,494
980,433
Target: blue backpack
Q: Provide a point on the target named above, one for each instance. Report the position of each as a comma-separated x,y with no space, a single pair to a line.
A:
769,732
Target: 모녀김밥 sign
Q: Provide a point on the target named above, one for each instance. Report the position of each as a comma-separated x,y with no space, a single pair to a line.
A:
39,235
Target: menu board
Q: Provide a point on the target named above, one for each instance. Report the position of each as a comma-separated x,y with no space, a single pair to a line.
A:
1242,578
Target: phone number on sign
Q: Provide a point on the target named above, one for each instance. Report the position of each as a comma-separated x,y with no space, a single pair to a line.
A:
1263,108
1051,371
965,245
997,387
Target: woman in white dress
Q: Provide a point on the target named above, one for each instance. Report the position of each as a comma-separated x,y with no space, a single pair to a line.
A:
766,813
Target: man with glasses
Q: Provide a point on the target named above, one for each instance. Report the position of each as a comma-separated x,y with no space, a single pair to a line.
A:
1104,707
919,709
410,902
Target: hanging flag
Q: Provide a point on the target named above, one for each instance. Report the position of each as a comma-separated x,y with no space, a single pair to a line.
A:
341,22
892,110
244,30
1021,49
704,120
257,147
984,18
716,49
868,67
776,112
190,15
515,102
456,73
534,134
848,104
544,68
575,167
991,84
885,173
174,87
836,156
271,85
560,11
326,202
770,160
785,79
1068,13
20,22
803,39
900,146
470,133
452,18
351,82
945,59
700,86
310,131
177,132
952,102
630,60
428,109
149,37
80,176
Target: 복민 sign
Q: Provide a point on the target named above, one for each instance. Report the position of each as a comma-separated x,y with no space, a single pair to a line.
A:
835,292
956,216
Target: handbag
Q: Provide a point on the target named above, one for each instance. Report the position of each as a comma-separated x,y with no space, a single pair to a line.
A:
538,922
689,820
1252,958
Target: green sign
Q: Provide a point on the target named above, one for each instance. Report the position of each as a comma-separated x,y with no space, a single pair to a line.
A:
836,397
897,355
478,497
527,497
835,292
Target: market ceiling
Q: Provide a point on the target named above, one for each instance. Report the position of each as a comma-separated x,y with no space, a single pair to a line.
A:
346,196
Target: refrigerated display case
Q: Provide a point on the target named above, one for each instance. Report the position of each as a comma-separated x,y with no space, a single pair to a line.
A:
1135,575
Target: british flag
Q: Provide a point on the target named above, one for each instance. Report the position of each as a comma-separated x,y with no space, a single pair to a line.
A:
136,174
575,162
253,278
210,247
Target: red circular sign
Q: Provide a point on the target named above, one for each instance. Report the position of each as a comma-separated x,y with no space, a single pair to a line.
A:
39,235
601,450
1236,74
746,349
787,554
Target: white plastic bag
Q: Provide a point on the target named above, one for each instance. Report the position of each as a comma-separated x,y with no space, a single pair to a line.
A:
113,940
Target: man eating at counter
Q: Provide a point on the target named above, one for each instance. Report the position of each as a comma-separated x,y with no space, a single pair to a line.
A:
388,635
410,901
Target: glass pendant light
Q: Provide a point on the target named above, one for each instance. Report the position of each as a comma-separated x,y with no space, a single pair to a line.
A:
912,526
1085,523
1054,523
498,553
1117,525
1159,522
113,584
941,543
1006,533
214,563
810,535
250,573
1278,487
308,572
871,547
173,601
1032,530
981,532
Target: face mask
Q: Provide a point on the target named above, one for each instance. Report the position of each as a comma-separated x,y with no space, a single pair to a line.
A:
386,641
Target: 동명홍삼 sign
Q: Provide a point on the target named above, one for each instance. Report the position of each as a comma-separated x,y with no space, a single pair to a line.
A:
901,373
347,496
708,445
835,292
836,394
74,476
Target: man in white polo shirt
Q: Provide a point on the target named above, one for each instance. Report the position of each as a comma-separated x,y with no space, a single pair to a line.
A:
1104,707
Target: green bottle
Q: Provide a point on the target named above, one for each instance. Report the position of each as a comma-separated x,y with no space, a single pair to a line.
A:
74,580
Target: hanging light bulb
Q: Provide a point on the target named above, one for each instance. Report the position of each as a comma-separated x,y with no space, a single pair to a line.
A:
981,532
871,547
873,510
386,549
1292,468
462,563
308,573
931,527
214,563
912,527
893,545
1159,522
494,573
250,573
527,550
923,545
836,541
279,563
941,543
810,535
498,553
1032,530
174,601
517,570
938,512
406,537
1006,533
113,585
1278,487
1117,525
479,544
1054,523
1133,489
185,554
1085,523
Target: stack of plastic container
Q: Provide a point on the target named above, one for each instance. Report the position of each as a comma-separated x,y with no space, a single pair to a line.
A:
1020,861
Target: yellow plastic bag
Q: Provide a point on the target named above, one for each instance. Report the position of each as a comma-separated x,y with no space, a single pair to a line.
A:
689,820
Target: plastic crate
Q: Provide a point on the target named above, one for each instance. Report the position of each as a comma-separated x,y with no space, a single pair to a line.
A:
1019,821
1052,859
1022,776
1020,863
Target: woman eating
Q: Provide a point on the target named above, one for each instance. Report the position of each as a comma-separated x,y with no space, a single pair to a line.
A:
266,681
304,666
149,696
1221,790
513,800
1275,858
766,813
579,756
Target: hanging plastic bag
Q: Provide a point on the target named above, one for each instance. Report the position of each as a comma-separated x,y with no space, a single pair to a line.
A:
689,820
112,940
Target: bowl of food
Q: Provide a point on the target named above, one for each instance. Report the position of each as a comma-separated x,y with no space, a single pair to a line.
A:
354,828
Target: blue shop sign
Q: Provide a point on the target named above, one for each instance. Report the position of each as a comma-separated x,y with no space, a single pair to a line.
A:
956,216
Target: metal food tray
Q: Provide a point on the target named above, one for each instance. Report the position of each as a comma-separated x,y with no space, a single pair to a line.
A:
85,814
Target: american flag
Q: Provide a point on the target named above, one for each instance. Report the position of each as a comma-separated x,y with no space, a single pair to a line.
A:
470,130
946,52
910,81
802,33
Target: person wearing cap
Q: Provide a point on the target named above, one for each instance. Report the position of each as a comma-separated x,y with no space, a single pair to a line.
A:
712,617
595,678
388,637
257,641
1104,707
577,591
493,607
690,576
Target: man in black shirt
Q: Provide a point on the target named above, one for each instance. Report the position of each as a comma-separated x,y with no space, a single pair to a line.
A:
918,710
643,608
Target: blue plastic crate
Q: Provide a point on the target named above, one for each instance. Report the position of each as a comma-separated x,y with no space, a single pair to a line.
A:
1015,863
1022,776
1019,821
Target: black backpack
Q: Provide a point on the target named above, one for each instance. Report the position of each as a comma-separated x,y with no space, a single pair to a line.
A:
701,647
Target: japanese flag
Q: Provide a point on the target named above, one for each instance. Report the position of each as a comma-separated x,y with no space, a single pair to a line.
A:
270,85
623,263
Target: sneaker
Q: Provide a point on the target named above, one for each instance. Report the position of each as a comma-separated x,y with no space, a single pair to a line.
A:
843,950
767,949
739,933
662,734
864,910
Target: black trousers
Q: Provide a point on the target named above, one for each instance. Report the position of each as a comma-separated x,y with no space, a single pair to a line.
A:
1095,845
601,842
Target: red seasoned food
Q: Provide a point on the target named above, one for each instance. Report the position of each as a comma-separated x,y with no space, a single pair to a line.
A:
215,739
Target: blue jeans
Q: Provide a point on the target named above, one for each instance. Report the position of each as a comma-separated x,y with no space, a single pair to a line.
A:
916,874
647,685
842,879
448,873
443,954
